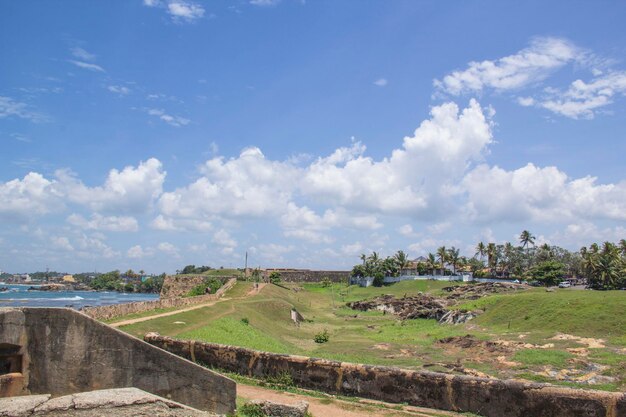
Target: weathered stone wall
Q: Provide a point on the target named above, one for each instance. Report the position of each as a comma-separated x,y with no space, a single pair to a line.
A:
65,352
487,397
306,275
116,310
180,285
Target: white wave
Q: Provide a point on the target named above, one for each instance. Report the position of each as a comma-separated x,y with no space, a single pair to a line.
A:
67,298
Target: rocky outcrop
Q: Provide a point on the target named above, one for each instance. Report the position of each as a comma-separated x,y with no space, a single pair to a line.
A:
273,409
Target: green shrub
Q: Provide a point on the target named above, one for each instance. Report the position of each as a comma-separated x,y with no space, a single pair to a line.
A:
275,277
326,282
251,410
322,337
282,378
245,321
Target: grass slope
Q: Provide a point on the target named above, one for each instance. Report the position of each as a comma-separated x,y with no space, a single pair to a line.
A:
533,316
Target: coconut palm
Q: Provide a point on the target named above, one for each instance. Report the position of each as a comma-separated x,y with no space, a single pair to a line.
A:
442,253
492,258
481,250
453,258
402,261
526,238
431,263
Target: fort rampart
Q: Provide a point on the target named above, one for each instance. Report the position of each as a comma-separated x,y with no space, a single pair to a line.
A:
60,351
307,275
487,397
116,310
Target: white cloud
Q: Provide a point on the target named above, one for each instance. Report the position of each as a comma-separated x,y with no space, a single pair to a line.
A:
264,3
176,121
136,252
185,10
119,89
247,186
81,54
540,194
168,249
381,82
12,108
132,189
93,247
414,180
525,101
62,243
164,223
303,223
528,66
87,65
407,230
582,99
107,223
31,196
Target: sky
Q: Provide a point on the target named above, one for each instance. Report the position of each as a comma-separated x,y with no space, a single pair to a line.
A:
152,134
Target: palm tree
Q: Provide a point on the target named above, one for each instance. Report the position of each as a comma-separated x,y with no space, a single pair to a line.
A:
481,250
492,257
526,238
453,258
401,260
363,258
622,246
431,263
442,253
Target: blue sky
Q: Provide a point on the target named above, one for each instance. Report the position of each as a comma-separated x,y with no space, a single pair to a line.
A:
151,134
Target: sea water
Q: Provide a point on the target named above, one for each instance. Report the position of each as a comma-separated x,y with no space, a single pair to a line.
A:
19,296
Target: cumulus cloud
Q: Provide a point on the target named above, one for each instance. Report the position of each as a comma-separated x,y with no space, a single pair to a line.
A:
168,249
303,223
106,223
414,178
132,189
247,186
530,65
23,199
381,82
137,252
540,194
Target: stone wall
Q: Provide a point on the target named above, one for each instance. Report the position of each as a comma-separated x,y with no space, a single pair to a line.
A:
306,275
179,285
487,397
116,310
64,352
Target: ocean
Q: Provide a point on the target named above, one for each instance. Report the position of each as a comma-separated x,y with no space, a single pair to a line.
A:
19,296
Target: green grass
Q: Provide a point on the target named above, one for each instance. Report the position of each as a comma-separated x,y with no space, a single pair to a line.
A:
533,357
228,331
582,313
375,338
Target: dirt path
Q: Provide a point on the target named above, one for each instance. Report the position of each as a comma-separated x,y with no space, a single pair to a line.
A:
330,407
251,293
167,313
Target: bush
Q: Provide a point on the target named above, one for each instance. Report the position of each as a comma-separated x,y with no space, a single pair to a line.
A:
379,280
322,337
251,410
210,286
282,378
275,277
245,321
326,282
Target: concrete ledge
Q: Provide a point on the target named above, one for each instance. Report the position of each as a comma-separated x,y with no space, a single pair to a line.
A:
487,397
118,402
65,352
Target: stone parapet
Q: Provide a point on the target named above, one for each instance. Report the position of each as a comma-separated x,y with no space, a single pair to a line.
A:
117,310
487,397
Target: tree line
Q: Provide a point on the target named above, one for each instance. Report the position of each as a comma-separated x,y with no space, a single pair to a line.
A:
604,266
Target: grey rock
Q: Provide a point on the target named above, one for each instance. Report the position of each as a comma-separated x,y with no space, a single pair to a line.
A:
272,409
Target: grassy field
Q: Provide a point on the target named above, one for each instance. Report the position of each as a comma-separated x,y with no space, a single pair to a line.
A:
568,337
